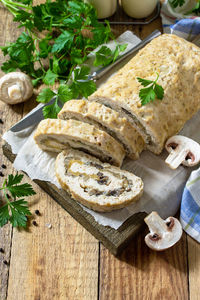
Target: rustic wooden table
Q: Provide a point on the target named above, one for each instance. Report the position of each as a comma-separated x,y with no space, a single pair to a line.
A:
66,262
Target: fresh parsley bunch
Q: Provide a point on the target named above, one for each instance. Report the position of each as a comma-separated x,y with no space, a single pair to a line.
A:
16,210
58,37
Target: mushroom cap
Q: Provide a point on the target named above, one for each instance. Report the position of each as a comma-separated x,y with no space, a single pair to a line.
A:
165,236
189,148
15,87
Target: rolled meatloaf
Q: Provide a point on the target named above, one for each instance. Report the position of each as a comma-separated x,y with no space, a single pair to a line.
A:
105,119
56,135
178,64
97,185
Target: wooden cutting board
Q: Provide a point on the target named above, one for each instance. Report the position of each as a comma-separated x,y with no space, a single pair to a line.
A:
114,240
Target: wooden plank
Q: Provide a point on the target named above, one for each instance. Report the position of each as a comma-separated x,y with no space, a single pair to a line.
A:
6,232
140,273
46,262
194,268
57,263
114,240
54,262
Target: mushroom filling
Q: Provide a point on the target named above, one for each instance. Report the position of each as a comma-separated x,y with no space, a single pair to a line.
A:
89,149
103,183
148,137
101,127
131,117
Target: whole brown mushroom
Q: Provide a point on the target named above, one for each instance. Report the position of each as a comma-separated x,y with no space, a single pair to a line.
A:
15,87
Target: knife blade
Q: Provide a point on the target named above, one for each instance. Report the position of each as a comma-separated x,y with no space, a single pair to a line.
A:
99,73
37,115
34,118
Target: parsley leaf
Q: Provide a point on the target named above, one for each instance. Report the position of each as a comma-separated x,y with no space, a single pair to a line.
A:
4,215
45,95
15,211
64,41
51,111
105,56
14,179
151,90
19,212
50,77
176,3
195,10
65,93
147,95
81,85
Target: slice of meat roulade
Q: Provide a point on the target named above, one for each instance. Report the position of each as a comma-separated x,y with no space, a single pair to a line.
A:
105,119
97,185
56,135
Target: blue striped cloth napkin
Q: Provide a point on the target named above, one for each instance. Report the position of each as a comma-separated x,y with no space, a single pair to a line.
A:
190,206
187,27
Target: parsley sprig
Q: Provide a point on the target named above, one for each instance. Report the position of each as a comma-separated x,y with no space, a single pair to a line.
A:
106,56
72,31
15,210
150,91
195,10
176,3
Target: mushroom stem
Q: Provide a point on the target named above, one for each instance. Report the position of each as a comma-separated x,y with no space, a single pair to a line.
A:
176,158
14,92
156,223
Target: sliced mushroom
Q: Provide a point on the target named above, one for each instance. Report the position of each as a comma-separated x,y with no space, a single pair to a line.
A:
182,151
163,233
15,87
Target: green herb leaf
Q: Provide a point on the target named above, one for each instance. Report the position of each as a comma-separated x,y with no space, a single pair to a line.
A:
21,190
4,215
15,211
45,95
147,95
64,41
176,3
144,82
51,111
159,91
105,56
151,90
44,47
50,77
81,85
19,211
14,179
195,10
65,93
16,189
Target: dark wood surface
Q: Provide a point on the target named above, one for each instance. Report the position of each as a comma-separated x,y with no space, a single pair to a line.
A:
66,261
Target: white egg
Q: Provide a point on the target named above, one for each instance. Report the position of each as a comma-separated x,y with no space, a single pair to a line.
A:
139,8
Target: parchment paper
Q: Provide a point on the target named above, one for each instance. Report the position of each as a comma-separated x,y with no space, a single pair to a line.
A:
162,186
